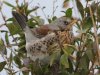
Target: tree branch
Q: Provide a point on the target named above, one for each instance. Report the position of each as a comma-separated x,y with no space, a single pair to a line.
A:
95,35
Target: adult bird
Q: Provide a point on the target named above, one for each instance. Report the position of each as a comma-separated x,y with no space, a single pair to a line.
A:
58,24
39,41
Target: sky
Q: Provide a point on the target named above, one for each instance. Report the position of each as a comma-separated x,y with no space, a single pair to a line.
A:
47,3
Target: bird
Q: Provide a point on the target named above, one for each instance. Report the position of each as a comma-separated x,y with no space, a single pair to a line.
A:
58,24
38,48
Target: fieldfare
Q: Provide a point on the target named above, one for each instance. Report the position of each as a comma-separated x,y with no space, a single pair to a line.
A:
39,41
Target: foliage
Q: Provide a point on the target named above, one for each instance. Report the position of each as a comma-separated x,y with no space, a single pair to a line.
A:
80,57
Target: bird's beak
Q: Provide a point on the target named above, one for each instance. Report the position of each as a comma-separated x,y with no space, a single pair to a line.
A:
73,21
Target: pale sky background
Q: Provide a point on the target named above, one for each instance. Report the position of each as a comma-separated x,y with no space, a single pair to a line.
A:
48,11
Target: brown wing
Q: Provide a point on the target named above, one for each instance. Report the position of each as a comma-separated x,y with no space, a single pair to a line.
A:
41,31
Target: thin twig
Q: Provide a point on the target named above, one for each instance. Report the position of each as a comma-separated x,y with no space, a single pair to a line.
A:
54,9
95,35
2,25
43,12
6,23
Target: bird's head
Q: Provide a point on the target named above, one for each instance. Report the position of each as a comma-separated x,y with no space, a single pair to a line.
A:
63,22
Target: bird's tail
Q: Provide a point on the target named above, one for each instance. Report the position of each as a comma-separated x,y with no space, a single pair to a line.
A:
20,19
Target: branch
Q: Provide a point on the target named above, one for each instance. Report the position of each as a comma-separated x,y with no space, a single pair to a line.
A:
6,23
95,35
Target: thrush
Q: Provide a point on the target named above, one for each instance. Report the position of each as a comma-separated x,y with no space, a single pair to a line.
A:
58,24
37,48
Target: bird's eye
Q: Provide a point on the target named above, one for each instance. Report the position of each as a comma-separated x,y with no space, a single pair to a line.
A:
65,22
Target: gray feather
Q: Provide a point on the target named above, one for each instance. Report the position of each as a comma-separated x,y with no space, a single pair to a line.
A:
20,19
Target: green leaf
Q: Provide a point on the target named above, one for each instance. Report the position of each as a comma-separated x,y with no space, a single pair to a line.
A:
84,62
1,44
89,43
78,26
3,31
90,54
17,60
11,56
10,19
14,29
7,38
69,49
49,20
80,7
87,23
97,67
54,56
39,20
66,0
2,47
84,72
52,59
70,69
31,23
9,4
34,9
2,65
35,20
64,60
54,18
68,12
